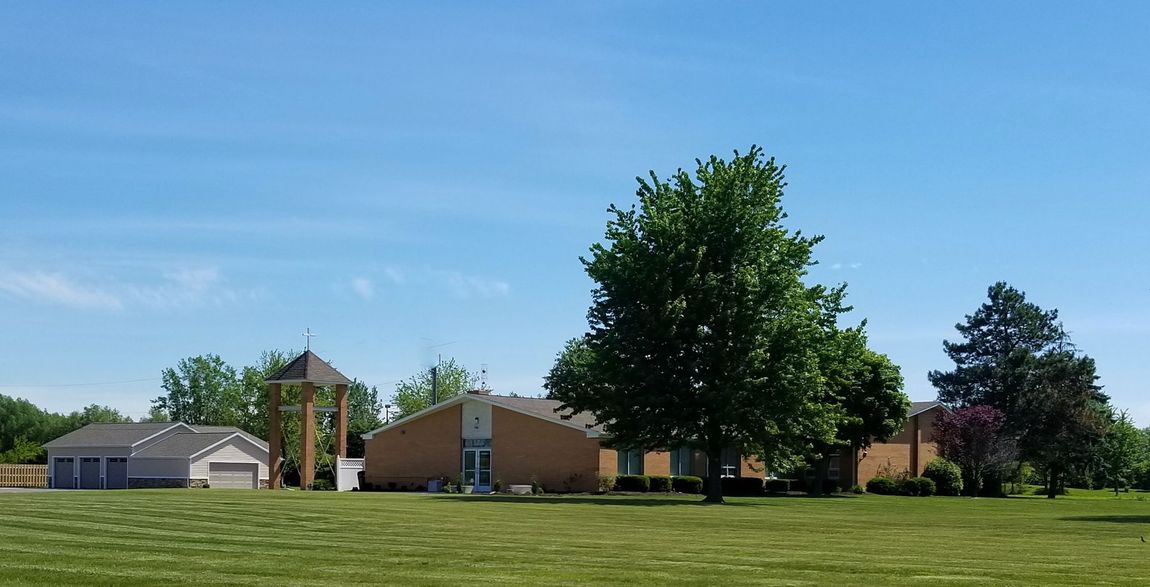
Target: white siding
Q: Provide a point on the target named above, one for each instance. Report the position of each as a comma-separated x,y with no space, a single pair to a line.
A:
235,450
476,421
176,468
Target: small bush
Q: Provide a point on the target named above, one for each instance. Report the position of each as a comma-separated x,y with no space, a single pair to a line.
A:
322,485
947,476
916,487
858,489
392,485
882,486
687,484
660,483
831,486
778,485
606,483
741,486
926,487
536,487
498,487
632,483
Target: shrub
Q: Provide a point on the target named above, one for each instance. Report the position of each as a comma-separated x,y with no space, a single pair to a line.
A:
687,484
498,487
831,486
947,476
882,486
778,485
632,483
536,487
858,489
926,487
660,483
606,483
741,486
392,485
916,486
322,485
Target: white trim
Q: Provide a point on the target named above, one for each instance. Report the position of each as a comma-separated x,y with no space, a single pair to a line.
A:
591,433
235,434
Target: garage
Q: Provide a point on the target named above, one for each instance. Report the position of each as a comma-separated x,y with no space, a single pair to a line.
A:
233,475
116,473
90,473
63,469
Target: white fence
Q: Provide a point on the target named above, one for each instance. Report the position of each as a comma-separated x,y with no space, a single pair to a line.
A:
347,473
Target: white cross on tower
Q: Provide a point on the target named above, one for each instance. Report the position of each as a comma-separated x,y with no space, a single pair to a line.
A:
307,336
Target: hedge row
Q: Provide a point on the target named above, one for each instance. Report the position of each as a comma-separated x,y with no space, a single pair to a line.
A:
915,486
658,483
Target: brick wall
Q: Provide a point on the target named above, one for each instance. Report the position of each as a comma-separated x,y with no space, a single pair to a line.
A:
561,458
410,454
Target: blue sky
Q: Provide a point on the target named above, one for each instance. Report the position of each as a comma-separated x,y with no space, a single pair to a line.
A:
187,179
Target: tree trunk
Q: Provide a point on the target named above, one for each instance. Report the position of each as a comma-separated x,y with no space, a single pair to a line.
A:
1052,483
821,468
714,479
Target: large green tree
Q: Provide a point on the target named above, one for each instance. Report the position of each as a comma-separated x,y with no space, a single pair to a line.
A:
363,415
863,391
1123,451
702,332
1017,358
998,354
202,390
24,427
448,378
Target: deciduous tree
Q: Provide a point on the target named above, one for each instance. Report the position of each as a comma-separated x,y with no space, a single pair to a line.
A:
451,379
702,331
976,439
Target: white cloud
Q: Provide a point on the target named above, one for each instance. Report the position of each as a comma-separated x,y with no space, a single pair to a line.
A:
465,286
179,288
363,287
396,275
55,288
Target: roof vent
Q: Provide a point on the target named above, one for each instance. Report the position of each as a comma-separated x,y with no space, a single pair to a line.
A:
565,416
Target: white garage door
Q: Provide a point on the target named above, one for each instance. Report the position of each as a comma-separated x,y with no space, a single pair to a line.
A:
233,475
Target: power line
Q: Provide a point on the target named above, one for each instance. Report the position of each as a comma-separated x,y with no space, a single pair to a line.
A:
81,384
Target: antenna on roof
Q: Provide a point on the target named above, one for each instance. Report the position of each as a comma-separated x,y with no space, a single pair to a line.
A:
307,336
483,376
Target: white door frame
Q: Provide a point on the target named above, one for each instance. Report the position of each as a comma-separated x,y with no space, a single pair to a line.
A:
478,473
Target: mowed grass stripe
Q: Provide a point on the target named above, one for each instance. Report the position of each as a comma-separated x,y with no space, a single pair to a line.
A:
235,537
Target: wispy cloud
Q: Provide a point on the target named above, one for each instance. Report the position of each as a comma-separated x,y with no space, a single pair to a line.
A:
179,288
840,266
466,286
58,289
395,275
363,287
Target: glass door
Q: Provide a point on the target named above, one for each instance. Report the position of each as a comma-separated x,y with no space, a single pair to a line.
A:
477,468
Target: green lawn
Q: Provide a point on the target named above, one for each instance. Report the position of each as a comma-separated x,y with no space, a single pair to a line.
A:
244,538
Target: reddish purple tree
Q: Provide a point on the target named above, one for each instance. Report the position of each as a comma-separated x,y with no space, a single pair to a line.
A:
974,438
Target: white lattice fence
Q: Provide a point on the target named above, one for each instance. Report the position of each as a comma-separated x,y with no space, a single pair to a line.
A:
347,473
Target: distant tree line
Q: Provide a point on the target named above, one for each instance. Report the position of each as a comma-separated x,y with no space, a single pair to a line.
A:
24,427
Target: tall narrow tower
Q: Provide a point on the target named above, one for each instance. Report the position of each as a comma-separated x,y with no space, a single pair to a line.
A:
307,371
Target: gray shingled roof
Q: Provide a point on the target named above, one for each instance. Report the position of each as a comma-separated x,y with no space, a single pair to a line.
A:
183,445
545,408
920,407
308,367
109,434
231,430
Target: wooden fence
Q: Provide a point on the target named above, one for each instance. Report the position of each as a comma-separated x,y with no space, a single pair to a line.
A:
23,475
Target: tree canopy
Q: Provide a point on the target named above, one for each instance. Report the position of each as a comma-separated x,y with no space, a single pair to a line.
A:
1017,358
701,330
414,393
